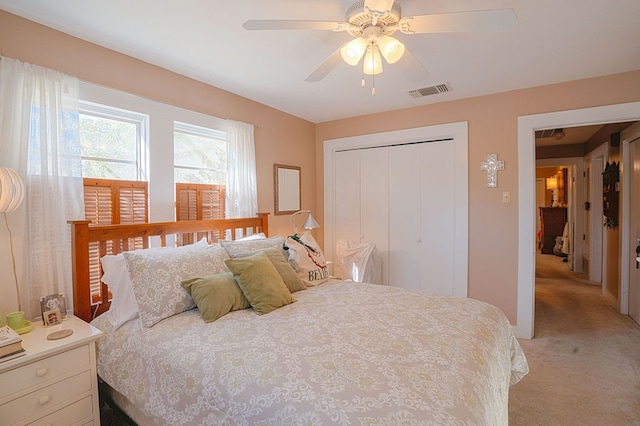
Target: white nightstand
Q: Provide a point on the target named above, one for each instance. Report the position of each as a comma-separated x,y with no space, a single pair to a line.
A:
56,381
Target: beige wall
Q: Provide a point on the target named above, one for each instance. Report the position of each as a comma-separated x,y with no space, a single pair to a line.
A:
280,137
493,123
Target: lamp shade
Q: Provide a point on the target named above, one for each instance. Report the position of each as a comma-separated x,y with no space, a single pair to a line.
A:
353,51
11,190
552,183
391,48
372,60
310,223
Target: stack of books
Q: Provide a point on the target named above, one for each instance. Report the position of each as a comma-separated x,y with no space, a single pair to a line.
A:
10,344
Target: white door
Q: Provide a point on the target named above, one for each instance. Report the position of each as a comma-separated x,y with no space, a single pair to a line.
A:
347,193
634,271
421,219
433,214
405,234
374,203
362,201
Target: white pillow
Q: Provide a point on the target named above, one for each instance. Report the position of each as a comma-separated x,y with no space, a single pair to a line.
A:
258,236
157,279
115,274
307,258
238,247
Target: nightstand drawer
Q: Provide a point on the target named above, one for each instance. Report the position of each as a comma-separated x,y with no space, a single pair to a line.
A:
69,415
46,398
16,380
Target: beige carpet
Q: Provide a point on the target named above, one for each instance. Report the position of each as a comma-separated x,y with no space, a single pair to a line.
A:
584,360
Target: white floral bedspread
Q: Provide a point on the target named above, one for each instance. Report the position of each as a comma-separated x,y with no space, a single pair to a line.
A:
344,353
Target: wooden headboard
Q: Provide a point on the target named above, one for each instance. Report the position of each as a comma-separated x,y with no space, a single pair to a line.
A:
89,243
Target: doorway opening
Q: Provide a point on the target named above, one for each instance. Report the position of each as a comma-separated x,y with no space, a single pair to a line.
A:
527,125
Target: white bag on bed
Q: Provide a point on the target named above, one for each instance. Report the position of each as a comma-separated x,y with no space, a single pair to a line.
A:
307,259
359,262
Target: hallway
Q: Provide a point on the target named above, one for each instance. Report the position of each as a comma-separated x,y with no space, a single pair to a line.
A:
584,360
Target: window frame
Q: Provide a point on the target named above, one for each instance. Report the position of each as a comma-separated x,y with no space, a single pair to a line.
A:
141,121
200,131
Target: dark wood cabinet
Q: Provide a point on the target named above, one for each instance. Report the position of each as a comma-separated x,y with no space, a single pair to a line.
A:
552,220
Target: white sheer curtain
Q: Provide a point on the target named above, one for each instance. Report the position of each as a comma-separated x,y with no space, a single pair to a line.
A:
39,138
242,189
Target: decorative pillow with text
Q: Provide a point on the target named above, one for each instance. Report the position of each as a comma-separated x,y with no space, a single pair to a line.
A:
307,259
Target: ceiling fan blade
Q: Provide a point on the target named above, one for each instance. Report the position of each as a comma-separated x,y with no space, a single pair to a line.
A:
411,67
260,24
326,67
380,6
481,20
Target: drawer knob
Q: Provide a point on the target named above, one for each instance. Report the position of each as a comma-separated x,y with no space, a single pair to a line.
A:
44,399
42,371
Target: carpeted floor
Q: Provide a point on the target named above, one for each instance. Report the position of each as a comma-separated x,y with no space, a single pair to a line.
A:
584,360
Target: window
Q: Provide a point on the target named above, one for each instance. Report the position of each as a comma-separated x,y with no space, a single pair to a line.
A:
112,145
200,155
112,142
200,172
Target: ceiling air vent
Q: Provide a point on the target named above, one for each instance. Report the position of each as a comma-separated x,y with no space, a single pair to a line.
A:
431,90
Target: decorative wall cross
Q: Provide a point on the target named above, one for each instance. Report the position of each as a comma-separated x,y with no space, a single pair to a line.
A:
491,166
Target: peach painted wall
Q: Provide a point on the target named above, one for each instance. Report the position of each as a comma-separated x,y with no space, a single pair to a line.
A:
280,138
493,125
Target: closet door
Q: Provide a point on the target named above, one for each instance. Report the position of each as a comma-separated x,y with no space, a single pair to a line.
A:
347,196
437,216
374,203
362,200
421,203
405,235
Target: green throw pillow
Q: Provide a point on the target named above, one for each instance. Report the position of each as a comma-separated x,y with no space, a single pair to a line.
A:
216,295
284,268
260,282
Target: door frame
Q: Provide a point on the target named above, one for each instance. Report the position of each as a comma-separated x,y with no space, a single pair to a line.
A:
527,125
575,197
458,133
597,236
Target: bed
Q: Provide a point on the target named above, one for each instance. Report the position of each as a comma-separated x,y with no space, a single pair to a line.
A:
337,353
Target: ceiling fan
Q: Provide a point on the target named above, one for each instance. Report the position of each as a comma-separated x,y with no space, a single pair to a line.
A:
372,22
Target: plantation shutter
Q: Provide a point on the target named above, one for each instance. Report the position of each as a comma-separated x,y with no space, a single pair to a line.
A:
196,201
98,201
186,201
212,202
110,202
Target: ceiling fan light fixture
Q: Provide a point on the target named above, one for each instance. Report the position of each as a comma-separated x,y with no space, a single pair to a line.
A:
372,60
353,51
391,48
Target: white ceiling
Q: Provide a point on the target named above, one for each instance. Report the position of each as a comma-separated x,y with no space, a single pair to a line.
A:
553,41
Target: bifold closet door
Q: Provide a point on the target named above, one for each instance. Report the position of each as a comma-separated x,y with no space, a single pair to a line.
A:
347,196
362,199
374,203
421,216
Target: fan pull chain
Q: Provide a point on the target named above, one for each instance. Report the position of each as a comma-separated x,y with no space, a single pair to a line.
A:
373,85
